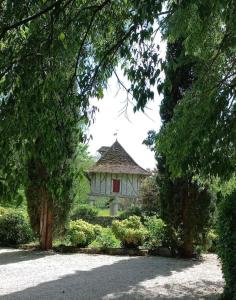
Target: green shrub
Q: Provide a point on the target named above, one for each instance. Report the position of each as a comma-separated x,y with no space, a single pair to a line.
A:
227,243
104,221
14,229
150,196
3,211
132,211
156,232
81,233
130,232
8,210
212,241
84,212
106,239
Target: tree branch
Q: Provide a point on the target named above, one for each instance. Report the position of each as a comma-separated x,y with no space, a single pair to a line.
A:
112,51
28,19
98,8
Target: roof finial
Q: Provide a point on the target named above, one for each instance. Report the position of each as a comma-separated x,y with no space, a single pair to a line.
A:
116,134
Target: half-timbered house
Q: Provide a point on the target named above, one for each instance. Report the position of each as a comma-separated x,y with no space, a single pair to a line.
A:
115,175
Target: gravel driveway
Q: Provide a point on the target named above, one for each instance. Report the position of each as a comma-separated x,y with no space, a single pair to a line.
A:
37,275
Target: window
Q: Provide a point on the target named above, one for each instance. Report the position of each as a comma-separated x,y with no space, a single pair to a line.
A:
116,185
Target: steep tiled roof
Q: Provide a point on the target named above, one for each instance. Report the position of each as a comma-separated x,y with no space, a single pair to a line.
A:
103,149
116,160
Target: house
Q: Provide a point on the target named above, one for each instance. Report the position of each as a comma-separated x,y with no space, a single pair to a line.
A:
116,176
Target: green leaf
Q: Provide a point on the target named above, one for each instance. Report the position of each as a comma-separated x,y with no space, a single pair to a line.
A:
61,36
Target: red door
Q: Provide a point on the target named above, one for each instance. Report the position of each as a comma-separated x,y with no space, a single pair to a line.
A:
116,186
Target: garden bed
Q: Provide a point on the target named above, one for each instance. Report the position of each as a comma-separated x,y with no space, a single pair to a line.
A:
109,251
160,251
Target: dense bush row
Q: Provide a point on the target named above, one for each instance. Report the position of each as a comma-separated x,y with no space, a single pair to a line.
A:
81,233
14,228
133,229
129,233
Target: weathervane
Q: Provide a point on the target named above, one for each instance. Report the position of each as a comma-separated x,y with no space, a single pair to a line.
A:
116,133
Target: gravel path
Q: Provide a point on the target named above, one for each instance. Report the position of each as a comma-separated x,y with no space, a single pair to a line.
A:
37,275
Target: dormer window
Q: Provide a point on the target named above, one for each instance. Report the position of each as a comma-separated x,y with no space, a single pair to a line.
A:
116,185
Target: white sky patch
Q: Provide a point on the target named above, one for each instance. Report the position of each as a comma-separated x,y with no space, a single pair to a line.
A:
131,131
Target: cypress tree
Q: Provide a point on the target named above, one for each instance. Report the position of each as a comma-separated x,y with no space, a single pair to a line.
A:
184,205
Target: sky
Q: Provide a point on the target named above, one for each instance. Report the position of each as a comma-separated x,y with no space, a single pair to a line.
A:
131,128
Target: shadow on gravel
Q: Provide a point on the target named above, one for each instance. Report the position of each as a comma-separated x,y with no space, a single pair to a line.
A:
10,257
123,280
195,290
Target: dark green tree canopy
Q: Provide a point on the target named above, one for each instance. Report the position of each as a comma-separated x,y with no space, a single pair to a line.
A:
201,136
54,56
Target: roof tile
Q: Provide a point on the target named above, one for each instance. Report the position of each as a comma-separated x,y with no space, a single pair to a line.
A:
116,160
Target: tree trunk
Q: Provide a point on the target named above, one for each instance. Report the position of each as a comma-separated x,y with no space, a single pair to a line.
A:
187,248
45,225
39,202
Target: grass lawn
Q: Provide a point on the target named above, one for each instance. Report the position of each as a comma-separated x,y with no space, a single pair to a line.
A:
106,212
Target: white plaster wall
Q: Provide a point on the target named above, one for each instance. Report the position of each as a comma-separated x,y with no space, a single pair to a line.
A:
101,184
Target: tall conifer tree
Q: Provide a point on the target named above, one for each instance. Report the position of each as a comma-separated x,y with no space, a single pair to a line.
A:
185,206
